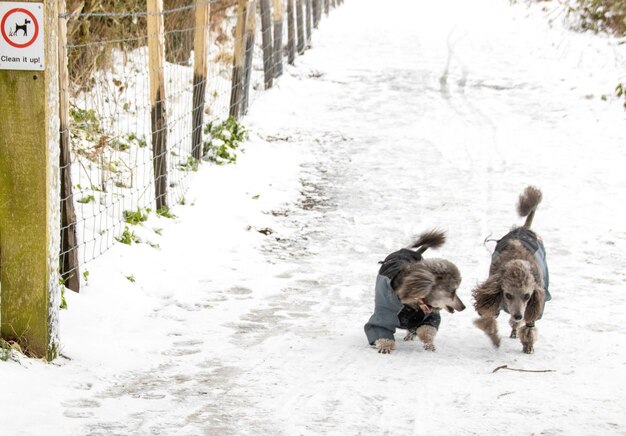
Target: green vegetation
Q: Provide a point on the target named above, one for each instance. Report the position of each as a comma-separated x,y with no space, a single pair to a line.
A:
63,304
165,212
88,199
5,350
86,120
225,138
128,237
125,142
137,217
190,165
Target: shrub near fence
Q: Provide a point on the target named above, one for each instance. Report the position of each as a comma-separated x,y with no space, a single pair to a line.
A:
142,86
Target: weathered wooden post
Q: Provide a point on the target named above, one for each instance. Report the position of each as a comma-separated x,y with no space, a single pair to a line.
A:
29,177
300,18
249,54
291,34
200,70
156,56
268,49
316,13
309,21
70,272
238,60
278,37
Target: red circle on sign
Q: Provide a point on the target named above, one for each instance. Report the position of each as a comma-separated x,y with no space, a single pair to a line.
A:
6,38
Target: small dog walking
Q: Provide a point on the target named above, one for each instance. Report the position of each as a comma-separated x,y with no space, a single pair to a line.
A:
410,292
518,279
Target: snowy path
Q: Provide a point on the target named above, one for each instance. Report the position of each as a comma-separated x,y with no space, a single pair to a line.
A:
435,116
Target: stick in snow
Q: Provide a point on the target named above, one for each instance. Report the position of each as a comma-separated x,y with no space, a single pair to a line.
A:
522,370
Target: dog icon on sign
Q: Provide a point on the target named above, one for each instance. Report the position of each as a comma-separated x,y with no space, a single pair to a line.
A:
22,27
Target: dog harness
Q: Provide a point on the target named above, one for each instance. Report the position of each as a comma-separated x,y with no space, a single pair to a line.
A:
532,243
389,312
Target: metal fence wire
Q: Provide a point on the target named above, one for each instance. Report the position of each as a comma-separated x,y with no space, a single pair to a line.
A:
142,82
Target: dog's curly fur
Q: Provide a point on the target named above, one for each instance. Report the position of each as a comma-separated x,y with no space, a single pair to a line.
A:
515,281
429,282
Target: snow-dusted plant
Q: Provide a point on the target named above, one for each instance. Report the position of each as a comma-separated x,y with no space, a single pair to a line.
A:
600,15
224,140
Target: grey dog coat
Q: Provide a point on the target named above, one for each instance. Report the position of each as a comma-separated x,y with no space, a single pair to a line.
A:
532,243
389,312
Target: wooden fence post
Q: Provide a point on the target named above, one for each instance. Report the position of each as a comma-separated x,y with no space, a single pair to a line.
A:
309,21
291,34
249,55
200,70
156,55
238,60
317,13
300,18
29,189
278,37
266,33
70,272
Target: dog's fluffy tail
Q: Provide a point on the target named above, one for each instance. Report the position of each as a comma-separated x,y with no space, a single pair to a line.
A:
430,239
527,204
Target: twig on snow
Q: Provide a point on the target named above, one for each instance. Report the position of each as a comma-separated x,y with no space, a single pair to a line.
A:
522,370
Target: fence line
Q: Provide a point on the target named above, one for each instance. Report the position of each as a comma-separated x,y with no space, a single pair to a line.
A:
138,101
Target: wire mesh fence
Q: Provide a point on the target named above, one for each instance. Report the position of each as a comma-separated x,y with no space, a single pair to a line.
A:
143,85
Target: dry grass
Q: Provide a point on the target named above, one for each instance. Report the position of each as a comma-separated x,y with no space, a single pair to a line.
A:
92,39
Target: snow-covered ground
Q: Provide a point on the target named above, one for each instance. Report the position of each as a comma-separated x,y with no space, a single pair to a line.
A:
404,116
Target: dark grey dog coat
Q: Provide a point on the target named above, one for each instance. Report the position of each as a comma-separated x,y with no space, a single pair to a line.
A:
532,243
389,312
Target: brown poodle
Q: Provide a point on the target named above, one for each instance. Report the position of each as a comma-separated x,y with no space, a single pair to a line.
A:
518,280
410,292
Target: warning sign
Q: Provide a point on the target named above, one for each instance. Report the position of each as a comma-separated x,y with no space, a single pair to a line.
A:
21,36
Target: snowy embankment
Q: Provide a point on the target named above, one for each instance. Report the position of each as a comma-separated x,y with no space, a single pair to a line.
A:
404,116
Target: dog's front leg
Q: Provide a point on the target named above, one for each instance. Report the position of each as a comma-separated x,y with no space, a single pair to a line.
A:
427,334
490,327
514,326
528,337
384,345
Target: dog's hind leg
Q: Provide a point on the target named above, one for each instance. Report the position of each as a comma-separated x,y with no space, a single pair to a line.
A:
490,327
410,335
528,337
427,334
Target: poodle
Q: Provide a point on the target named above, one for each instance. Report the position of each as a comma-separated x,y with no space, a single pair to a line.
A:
410,292
518,279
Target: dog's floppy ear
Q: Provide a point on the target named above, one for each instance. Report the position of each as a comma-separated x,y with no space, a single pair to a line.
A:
535,305
417,283
488,296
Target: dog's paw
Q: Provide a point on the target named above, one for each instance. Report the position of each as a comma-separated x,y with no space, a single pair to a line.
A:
385,346
410,336
427,334
528,337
